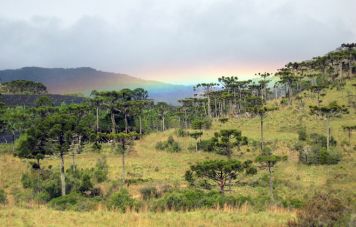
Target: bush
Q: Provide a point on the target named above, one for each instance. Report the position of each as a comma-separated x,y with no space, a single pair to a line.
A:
73,201
323,210
122,200
319,156
149,193
201,123
169,145
207,145
302,134
194,199
321,140
182,133
3,198
101,170
45,182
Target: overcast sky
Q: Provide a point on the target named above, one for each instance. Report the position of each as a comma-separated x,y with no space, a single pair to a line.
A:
181,41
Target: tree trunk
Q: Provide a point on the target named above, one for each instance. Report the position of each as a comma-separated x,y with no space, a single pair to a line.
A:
63,179
113,129
222,187
216,108
123,163
97,119
209,105
261,116
113,123
163,124
140,120
349,136
328,134
126,124
196,146
270,183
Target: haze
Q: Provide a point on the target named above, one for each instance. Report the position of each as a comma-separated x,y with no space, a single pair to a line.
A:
180,41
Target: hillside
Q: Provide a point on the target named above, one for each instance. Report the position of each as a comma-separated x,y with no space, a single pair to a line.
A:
85,79
294,182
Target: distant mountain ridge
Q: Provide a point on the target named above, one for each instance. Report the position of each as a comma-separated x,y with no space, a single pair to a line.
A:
86,79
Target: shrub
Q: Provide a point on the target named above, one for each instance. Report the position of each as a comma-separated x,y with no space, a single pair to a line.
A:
149,193
302,134
319,155
201,123
46,183
122,200
72,201
193,199
182,133
323,210
169,145
3,198
207,145
321,140
101,170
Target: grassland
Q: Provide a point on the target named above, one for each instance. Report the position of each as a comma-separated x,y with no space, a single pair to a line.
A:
294,181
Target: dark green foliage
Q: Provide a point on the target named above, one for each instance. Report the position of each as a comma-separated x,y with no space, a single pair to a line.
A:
23,87
190,199
101,170
182,133
170,145
316,155
313,150
200,123
302,134
45,182
324,209
73,201
223,120
218,171
149,192
223,142
321,140
3,198
122,200
46,185
207,145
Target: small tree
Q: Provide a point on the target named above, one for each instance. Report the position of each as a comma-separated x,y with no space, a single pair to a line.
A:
196,135
257,106
124,140
268,161
327,112
227,139
219,171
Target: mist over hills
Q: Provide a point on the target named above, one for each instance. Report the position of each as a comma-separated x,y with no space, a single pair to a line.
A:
86,79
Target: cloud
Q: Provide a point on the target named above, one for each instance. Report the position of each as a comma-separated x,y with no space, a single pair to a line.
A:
146,38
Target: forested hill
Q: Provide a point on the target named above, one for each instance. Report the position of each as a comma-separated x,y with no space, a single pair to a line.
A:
85,79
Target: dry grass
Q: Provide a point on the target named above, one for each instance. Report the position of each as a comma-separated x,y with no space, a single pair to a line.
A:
219,217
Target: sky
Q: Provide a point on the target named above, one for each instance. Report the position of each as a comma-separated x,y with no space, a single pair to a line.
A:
177,41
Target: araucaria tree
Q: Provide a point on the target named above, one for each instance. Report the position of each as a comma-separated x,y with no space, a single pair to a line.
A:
268,161
219,171
227,139
328,112
196,135
257,106
60,127
207,89
124,139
